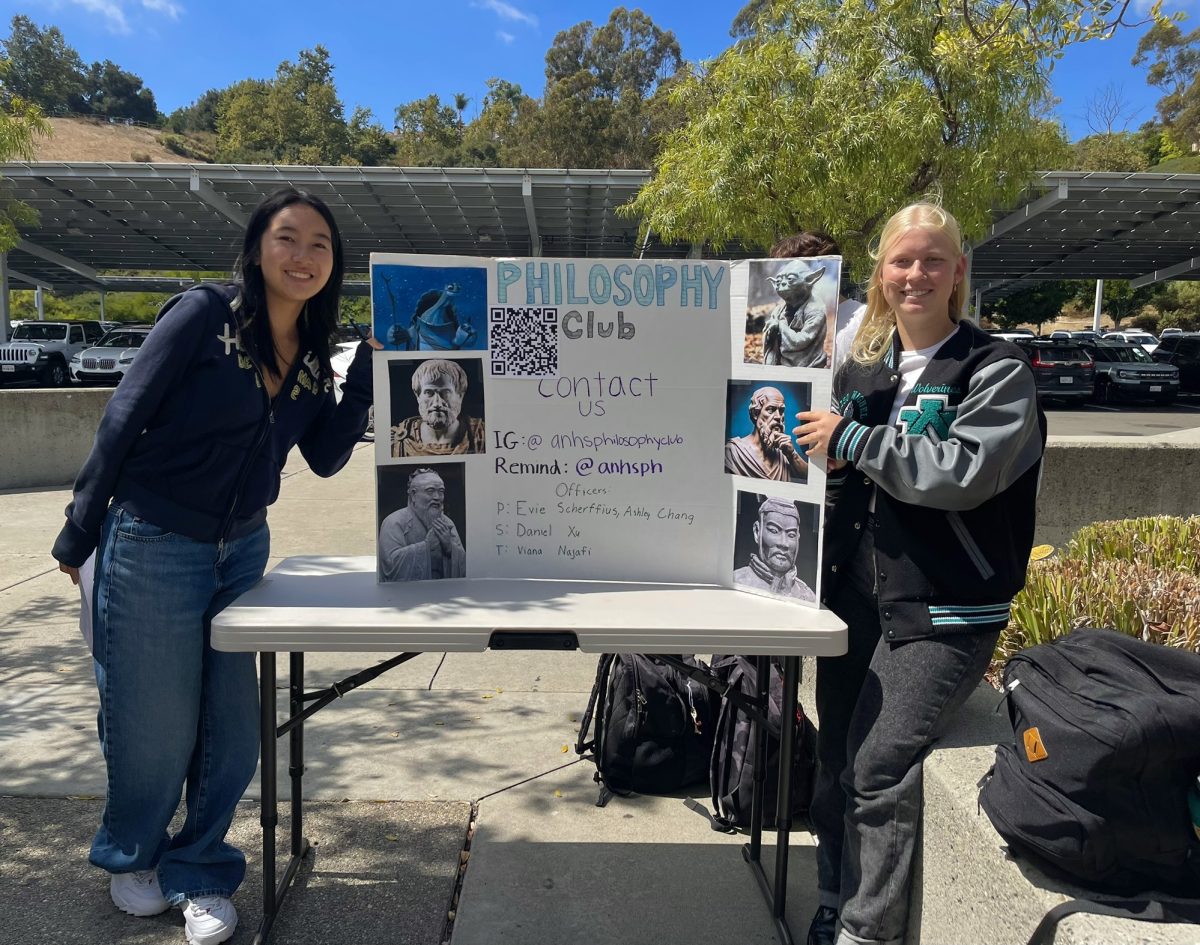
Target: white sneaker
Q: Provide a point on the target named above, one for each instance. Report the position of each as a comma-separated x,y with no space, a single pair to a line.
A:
209,920
138,893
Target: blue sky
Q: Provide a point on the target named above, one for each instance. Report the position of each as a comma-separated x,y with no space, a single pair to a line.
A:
389,53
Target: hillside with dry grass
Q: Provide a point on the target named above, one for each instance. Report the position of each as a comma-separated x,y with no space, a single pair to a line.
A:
87,139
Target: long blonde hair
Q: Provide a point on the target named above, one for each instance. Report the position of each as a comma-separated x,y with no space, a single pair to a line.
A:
874,337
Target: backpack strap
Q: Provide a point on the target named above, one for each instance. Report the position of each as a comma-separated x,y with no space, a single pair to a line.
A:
724,689
595,704
1145,910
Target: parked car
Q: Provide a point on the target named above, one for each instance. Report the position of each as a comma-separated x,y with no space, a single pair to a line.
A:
41,350
1183,351
1017,334
342,355
1063,369
1169,331
1060,335
1088,335
110,359
1127,371
1143,338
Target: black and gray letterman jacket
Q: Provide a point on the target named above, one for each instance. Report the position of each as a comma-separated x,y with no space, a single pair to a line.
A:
955,484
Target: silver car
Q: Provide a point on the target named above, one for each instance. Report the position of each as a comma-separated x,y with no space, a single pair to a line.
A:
110,359
1127,372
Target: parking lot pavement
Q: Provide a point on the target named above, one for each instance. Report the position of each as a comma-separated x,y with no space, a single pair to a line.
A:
1181,419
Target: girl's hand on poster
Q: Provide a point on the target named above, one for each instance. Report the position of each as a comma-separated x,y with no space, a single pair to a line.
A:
815,430
72,573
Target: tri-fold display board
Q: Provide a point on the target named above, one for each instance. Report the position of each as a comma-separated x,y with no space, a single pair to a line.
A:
601,419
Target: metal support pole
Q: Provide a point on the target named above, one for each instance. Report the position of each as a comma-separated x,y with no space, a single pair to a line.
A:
1099,305
978,306
102,294
4,309
40,302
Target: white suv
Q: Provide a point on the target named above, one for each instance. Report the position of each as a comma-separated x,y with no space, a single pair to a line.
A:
108,361
1143,338
41,351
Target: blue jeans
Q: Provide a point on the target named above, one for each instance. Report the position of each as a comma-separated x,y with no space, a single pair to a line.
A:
174,712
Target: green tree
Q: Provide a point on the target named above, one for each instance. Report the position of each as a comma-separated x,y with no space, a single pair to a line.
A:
42,68
201,115
21,123
1175,69
115,93
1157,144
1121,302
1034,306
494,137
1121,151
242,135
833,114
599,107
428,134
295,118
460,105
1179,306
368,144
305,109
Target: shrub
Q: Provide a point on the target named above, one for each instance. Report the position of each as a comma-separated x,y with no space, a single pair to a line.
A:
1181,319
1139,576
185,147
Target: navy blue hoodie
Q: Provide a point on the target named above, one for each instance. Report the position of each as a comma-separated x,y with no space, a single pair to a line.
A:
191,441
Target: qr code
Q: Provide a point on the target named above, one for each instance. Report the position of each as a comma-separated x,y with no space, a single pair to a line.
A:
523,341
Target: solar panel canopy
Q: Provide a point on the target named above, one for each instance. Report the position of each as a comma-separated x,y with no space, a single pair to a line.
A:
97,221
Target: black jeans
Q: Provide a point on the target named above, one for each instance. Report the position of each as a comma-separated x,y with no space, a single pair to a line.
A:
879,709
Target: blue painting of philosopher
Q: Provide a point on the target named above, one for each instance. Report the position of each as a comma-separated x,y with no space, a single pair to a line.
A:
427,308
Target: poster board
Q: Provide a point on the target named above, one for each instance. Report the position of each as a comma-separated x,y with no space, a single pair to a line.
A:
574,419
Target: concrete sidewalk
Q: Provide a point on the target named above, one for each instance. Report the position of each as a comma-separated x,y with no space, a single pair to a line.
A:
445,761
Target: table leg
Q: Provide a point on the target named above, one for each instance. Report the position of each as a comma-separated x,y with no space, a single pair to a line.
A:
296,753
758,731
269,806
775,893
274,893
783,816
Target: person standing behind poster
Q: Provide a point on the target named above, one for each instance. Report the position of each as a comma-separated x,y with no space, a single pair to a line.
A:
935,455
173,499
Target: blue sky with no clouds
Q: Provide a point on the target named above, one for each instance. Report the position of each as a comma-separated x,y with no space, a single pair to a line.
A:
388,53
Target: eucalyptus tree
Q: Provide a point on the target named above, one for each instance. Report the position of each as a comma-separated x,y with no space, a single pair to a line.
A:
834,113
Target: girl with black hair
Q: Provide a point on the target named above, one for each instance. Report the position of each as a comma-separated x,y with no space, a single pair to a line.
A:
172,499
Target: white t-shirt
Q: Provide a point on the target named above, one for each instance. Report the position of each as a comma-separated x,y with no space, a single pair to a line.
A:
849,317
912,366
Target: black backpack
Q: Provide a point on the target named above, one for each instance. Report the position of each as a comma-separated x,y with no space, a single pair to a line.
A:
734,755
654,726
1107,744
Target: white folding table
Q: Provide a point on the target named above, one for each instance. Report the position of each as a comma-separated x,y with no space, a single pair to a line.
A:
335,604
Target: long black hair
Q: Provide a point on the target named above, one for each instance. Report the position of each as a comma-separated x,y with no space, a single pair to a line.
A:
320,315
